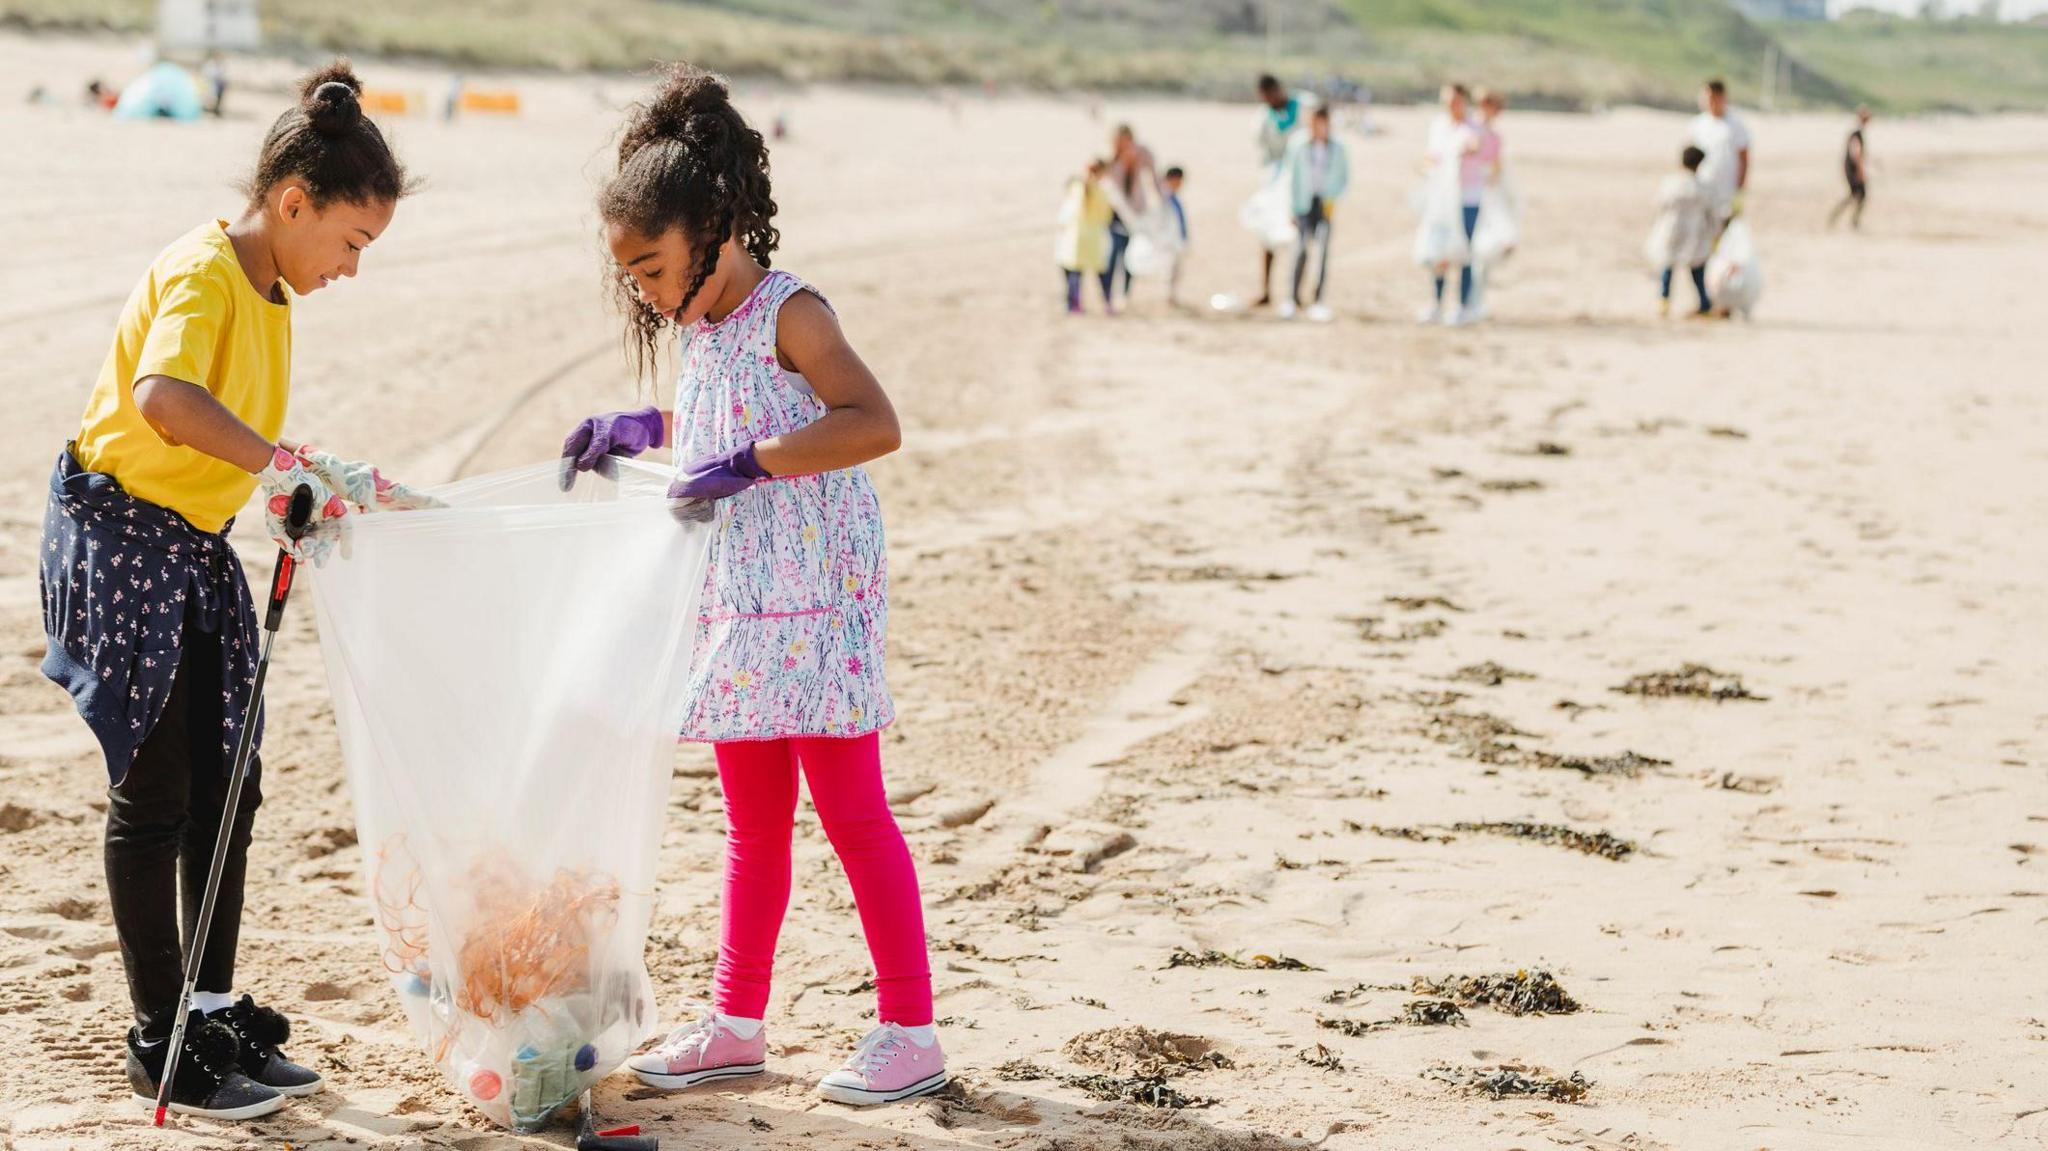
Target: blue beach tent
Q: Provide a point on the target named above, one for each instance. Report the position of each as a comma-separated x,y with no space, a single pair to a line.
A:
165,92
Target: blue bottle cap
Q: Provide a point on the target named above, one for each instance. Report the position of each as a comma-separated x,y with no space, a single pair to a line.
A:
586,1057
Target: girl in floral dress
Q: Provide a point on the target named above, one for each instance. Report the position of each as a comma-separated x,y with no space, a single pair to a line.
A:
774,414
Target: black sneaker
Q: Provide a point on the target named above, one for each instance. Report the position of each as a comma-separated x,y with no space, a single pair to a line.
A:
208,1082
261,1032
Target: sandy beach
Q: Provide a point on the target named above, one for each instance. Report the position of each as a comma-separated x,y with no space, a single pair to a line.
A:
1210,634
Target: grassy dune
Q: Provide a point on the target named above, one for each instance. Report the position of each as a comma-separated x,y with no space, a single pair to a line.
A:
1559,52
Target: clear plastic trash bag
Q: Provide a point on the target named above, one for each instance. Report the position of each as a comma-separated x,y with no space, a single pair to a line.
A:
1440,216
1269,213
1735,275
1499,228
508,674
1155,245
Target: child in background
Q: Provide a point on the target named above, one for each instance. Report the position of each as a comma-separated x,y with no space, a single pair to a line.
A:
1683,234
774,414
1318,170
1081,247
150,623
1171,183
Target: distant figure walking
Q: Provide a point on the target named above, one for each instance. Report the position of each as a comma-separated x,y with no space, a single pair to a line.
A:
1683,235
1284,115
1454,180
1723,137
1855,166
1134,186
1318,171
1498,229
1081,246
215,71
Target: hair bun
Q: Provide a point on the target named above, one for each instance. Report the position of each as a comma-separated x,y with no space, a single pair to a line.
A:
333,108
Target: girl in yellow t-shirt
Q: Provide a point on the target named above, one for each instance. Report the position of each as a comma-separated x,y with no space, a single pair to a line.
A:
150,624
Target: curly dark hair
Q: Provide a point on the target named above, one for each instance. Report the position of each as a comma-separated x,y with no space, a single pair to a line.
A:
687,160
327,143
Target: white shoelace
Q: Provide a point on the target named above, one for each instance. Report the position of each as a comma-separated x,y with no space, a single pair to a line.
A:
697,1034
877,1049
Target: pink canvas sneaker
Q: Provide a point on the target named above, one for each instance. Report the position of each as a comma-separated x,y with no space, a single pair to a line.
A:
701,1052
887,1066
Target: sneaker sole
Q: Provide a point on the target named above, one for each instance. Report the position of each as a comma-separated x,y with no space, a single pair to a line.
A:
693,1078
303,1089
250,1111
857,1097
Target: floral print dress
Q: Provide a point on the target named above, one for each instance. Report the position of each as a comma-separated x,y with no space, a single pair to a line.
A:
795,606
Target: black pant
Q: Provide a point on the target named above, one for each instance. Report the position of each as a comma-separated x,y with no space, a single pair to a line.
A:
1313,227
162,821
1119,239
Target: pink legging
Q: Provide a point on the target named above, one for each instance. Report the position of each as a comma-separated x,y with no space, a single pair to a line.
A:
845,777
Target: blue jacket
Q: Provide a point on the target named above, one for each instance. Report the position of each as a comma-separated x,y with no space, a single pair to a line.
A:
120,578
1336,178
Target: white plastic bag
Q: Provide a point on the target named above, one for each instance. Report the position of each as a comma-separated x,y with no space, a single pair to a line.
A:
1440,217
1269,212
1155,245
1735,276
508,677
1499,228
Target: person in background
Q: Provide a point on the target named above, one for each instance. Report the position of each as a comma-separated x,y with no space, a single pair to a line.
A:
1318,171
1683,234
1453,144
1283,115
1081,246
1856,167
1134,185
215,71
1723,138
1171,185
1493,196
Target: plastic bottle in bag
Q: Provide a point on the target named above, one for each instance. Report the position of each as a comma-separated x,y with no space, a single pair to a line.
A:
508,675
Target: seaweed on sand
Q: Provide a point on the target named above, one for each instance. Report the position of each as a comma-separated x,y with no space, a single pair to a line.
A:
1210,957
1522,992
1692,680
1506,1080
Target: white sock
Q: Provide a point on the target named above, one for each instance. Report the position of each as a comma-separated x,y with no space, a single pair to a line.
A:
923,1036
744,1028
209,1002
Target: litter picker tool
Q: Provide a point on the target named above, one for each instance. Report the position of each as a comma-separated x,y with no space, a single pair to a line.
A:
591,1137
297,518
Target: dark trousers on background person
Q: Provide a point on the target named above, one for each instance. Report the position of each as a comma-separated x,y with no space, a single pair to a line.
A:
1119,239
1313,227
162,821
1469,216
1699,285
1857,191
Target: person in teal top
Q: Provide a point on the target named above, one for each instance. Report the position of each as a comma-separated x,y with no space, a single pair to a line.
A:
1276,127
1318,171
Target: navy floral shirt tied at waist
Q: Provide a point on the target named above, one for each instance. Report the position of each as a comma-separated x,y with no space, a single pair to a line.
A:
121,578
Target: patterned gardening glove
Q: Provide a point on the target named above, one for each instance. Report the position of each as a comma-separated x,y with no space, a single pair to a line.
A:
279,479
711,478
363,485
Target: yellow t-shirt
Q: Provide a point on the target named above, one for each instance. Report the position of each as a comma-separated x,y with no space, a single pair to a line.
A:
195,317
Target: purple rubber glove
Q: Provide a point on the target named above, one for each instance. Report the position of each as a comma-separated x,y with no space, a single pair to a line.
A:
712,478
613,434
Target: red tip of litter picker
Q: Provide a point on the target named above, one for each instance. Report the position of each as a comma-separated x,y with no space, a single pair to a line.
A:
159,1116
629,1129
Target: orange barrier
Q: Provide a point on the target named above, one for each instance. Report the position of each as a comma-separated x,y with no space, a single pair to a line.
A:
389,101
501,100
